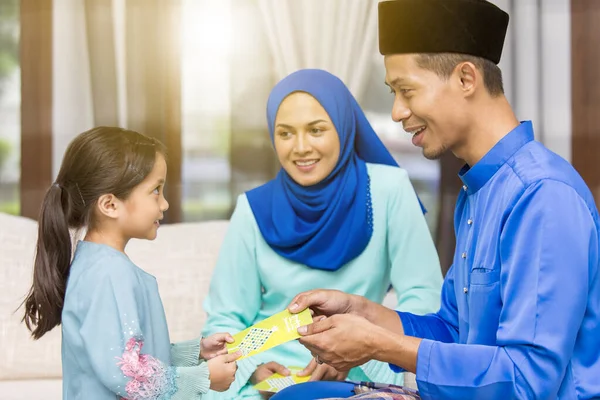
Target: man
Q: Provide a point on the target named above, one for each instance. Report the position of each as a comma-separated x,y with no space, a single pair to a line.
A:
520,313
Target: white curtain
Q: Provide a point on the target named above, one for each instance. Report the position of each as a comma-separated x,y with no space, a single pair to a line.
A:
536,65
74,90
339,36
115,62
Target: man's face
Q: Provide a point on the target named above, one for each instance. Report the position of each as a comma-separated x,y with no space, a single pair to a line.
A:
430,108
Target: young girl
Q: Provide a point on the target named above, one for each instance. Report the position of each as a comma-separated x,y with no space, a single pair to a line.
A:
115,341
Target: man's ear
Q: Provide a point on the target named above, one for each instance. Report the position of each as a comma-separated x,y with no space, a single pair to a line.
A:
109,206
468,77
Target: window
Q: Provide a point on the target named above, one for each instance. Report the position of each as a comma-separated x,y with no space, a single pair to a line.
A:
10,102
206,109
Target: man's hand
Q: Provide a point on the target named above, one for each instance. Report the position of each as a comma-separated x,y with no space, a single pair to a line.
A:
214,345
266,370
322,372
325,302
330,302
341,341
346,341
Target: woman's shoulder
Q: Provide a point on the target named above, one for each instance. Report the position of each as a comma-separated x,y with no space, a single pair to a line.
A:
385,178
242,201
242,208
384,171
242,221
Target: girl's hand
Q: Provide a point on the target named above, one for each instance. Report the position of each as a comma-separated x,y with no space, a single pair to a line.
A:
222,371
214,345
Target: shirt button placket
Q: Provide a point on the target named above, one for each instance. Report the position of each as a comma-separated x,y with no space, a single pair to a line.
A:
464,256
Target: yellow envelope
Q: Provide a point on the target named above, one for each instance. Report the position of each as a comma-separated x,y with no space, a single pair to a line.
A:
268,333
277,382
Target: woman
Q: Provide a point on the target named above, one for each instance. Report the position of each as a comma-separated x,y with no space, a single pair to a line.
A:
340,214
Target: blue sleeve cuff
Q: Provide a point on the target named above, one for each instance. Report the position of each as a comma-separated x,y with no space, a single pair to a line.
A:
423,355
423,363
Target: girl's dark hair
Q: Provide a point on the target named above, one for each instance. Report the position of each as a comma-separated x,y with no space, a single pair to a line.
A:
100,161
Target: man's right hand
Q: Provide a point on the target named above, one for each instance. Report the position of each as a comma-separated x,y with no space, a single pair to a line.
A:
331,302
325,302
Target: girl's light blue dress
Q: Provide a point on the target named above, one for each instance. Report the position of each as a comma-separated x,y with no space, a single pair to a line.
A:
115,341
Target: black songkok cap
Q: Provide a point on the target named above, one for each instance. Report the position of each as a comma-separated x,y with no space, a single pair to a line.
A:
474,27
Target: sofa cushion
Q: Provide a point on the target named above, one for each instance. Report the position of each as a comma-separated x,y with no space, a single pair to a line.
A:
21,357
47,389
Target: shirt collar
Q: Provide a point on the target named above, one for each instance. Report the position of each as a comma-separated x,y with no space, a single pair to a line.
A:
474,178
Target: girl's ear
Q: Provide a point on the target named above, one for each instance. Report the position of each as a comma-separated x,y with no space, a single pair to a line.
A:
109,205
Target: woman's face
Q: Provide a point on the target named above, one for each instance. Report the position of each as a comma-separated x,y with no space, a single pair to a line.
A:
306,141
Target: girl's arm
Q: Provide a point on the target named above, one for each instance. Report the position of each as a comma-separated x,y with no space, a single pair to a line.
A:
186,353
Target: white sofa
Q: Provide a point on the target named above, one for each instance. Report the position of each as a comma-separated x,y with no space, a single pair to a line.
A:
181,258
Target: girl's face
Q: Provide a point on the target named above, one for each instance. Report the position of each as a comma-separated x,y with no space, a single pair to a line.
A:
146,204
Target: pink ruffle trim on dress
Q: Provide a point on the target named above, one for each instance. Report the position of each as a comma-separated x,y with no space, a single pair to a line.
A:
150,379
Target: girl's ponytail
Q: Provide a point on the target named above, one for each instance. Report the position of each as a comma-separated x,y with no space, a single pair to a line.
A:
44,303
